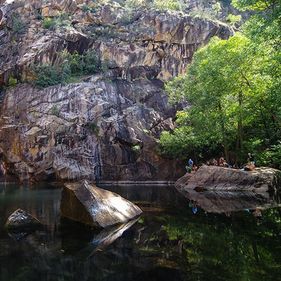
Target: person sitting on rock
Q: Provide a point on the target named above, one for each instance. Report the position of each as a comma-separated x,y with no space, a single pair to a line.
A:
195,168
215,162
250,159
250,163
221,162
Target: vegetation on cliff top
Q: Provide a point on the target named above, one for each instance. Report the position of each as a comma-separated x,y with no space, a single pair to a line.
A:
234,88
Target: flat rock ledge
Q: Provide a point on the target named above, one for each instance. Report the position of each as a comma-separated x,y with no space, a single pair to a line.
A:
85,203
259,180
20,220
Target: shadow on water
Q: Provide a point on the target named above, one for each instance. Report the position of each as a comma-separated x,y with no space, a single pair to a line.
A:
168,242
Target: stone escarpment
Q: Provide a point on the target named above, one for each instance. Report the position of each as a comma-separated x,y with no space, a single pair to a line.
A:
106,125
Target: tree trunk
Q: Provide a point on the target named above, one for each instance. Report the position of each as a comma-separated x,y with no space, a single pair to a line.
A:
223,132
240,127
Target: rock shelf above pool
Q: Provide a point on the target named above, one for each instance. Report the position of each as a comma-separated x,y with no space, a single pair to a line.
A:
88,204
220,178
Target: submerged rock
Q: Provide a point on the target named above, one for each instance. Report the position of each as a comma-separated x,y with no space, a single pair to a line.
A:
20,219
94,206
219,178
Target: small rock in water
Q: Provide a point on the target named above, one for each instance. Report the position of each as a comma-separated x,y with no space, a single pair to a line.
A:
20,219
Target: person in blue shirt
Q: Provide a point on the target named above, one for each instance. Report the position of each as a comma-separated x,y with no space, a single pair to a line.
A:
189,166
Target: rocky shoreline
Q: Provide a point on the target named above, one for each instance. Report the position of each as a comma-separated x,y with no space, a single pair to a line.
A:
215,178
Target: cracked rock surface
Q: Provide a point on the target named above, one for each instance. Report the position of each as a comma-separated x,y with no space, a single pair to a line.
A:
105,126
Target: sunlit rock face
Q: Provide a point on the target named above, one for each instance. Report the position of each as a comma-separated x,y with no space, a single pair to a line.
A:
106,126
102,130
94,206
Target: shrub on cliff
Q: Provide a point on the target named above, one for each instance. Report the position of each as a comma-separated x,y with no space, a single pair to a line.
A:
82,64
167,4
61,20
18,25
69,66
49,23
49,75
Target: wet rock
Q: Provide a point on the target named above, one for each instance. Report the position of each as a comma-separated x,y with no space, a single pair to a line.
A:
227,179
20,220
94,206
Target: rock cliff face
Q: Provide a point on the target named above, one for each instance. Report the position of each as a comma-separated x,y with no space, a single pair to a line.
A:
106,125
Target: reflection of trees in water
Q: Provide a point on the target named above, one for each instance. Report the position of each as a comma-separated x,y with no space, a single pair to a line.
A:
235,248
157,247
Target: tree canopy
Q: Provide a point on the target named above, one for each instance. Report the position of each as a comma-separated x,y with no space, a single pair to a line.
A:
233,87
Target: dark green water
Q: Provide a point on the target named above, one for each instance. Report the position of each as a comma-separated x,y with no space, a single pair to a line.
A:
168,242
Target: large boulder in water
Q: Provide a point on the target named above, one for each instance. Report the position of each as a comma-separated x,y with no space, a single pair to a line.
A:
94,206
220,178
20,219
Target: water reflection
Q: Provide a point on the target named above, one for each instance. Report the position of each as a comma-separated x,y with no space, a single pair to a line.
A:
169,245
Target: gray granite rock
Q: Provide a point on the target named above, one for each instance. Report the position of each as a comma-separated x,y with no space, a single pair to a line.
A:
88,204
21,220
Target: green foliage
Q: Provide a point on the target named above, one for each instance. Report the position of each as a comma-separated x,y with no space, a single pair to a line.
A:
256,5
86,8
270,157
49,75
217,7
55,111
167,4
60,21
19,25
91,63
135,3
234,88
69,67
215,246
184,140
87,63
12,81
233,19
49,23
93,127
157,4
136,147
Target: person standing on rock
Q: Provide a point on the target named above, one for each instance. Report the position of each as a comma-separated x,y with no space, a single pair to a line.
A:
189,166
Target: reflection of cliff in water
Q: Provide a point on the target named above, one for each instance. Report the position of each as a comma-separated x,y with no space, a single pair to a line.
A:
150,196
227,201
175,245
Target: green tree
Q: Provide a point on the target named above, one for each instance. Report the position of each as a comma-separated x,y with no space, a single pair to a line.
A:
233,87
223,83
